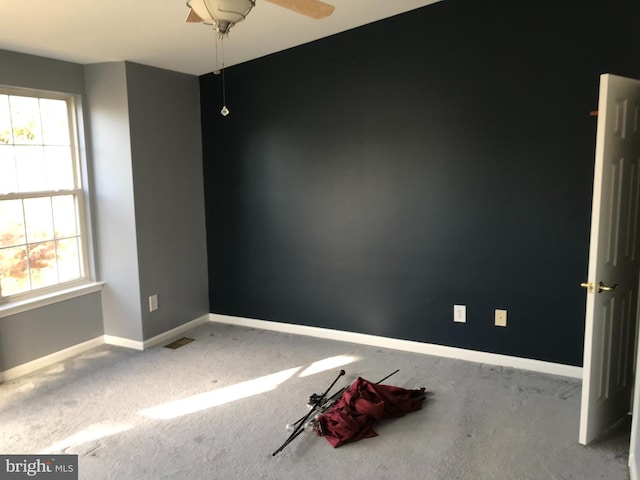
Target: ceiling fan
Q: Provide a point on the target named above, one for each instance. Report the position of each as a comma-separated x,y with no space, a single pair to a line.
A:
224,14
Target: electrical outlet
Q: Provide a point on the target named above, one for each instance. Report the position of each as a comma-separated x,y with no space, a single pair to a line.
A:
153,303
501,318
460,313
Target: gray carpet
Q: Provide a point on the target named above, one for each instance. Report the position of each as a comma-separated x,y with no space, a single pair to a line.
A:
192,413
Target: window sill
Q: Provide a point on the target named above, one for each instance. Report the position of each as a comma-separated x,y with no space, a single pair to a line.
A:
12,308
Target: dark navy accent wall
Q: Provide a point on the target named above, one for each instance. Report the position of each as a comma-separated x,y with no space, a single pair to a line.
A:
371,180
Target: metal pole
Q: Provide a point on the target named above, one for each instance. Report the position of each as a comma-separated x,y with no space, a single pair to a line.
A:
298,429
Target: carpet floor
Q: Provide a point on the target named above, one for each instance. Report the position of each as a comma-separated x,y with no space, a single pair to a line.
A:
216,408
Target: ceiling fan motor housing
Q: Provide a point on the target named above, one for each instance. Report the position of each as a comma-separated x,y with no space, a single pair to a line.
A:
222,14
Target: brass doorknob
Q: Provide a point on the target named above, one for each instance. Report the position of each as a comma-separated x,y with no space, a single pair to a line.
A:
604,288
588,286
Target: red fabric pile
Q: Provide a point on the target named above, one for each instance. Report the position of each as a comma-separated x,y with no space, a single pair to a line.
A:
361,405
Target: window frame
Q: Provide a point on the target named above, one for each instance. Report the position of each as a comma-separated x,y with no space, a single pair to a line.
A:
79,192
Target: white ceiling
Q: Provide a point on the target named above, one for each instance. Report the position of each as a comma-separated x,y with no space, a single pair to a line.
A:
153,32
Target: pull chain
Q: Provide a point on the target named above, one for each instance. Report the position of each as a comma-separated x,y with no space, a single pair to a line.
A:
225,110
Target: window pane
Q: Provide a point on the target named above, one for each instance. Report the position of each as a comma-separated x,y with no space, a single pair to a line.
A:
32,174
55,126
14,271
40,194
42,264
38,219
65,217
12,223
68,259
8,174
5,121
59,168
25,118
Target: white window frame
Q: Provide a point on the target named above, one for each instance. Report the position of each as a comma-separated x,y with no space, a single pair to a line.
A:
84,284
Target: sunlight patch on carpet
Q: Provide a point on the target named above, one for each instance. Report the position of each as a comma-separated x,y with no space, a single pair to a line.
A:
89,434
203,401
328,364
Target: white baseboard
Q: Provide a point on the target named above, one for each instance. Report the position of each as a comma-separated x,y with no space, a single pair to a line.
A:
158,339
361,338
123,342
61,355
406,346
47,360
171,334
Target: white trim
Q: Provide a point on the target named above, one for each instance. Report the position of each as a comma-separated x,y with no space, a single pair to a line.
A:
13,308
633,467
123,342
163,337
158,339
360,338
55,357
406,346
48,360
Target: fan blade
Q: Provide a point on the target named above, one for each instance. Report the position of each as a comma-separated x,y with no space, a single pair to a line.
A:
193,17
311,8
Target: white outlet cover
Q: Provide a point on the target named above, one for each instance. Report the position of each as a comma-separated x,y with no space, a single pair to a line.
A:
153,303
460,313
501,318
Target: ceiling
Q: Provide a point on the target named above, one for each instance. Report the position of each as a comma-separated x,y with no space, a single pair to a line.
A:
153,32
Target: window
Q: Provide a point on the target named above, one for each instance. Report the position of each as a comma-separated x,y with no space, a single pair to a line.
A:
42,231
